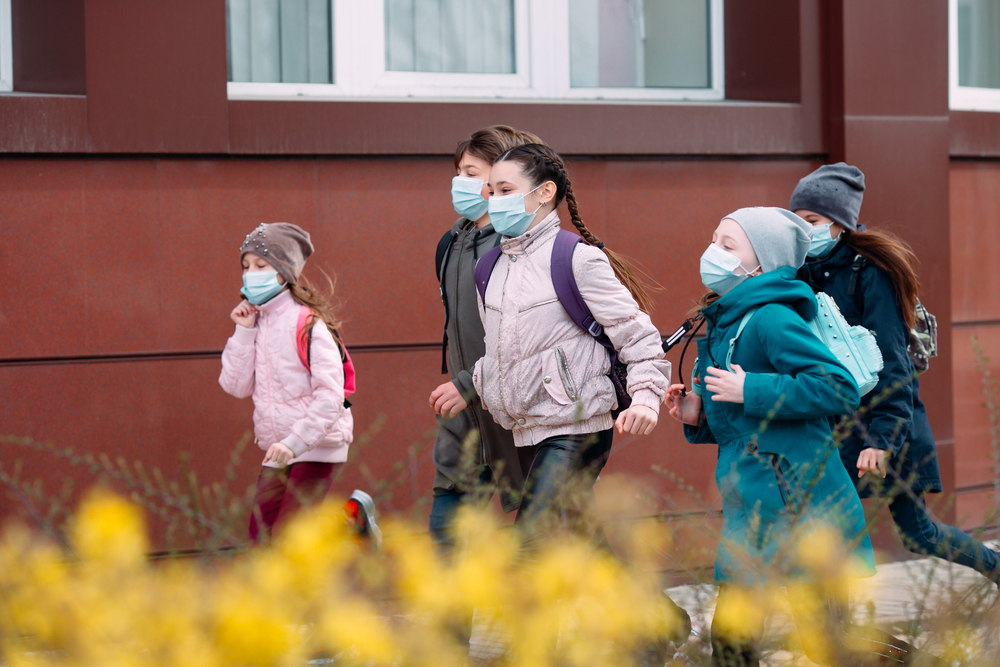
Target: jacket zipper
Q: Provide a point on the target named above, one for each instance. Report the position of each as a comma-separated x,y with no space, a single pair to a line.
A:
503,295
567,378
458,342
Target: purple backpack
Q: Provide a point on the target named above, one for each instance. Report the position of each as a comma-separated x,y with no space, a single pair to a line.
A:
569,296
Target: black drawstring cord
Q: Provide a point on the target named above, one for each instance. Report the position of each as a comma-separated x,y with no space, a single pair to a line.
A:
676,337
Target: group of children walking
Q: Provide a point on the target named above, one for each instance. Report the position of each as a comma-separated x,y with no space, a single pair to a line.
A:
550,350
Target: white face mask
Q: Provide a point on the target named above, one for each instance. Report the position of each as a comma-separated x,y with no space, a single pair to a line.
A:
508,215
467,197
718,270
822,242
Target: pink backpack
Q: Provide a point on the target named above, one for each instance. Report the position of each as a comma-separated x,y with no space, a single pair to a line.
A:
303,342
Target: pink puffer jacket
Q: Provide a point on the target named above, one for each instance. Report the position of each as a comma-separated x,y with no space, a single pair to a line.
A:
542,374
303,410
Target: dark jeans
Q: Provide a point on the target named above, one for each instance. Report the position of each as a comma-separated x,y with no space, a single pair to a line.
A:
922,535
831,642
445,508
559,488
282,491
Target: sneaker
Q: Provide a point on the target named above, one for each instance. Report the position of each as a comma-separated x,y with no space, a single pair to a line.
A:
366,527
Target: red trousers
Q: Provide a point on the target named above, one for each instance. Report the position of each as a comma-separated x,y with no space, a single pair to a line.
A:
282,491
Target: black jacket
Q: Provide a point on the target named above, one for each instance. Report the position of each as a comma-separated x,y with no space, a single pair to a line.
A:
897,421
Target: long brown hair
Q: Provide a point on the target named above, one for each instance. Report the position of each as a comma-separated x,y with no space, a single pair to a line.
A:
894,256
324,306
490,142
539,164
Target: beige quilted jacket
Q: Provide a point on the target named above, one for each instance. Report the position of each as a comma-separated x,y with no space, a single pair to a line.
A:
542,374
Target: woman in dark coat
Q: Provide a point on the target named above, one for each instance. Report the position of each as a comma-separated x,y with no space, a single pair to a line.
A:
870,275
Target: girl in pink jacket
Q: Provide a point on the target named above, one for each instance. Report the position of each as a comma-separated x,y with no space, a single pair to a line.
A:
544,377
287,355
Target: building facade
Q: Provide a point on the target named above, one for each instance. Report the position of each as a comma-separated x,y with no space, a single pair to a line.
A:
141,140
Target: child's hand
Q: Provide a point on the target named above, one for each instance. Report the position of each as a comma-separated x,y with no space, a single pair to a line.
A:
447,400
637,420
685,408
724,385
279,453
872,460
244,314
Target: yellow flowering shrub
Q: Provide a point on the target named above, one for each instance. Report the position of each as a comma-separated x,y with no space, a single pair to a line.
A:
312,592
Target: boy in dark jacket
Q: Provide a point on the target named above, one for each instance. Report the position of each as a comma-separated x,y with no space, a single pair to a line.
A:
473,455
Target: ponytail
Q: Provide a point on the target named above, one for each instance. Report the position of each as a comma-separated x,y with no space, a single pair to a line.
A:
540,164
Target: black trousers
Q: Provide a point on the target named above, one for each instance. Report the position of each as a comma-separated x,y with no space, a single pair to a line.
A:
559,488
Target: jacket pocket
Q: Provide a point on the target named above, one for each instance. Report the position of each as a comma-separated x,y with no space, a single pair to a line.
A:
787,482
537,305
556,378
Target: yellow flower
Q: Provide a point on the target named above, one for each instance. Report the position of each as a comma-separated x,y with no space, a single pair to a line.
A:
107,527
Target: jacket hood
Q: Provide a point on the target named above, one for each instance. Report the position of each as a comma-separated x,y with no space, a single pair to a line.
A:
778,286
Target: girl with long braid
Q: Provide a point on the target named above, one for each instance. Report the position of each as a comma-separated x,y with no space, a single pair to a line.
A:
543,376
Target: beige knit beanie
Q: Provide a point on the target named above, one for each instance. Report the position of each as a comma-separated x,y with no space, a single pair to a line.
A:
284,245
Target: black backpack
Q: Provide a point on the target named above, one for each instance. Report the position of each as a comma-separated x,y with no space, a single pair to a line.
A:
441,257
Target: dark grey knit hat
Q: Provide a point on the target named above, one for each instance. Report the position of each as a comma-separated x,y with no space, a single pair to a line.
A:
779,237
284,245
833,190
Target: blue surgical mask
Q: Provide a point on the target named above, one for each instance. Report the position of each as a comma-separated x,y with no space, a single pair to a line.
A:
507,214
718,270
259,287
467,197
822,243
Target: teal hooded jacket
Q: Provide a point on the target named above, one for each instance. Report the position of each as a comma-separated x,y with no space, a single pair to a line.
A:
778,468
793,381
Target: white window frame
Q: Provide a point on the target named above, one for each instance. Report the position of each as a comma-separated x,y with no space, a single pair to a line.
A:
965,98
6,48
541,62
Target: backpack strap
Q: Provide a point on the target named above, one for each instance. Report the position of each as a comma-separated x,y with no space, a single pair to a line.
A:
565,283
441,257
304,343
484,269
732,341
304,346
852,287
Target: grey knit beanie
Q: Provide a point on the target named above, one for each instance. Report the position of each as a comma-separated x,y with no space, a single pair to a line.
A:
284,245
779,237
833,190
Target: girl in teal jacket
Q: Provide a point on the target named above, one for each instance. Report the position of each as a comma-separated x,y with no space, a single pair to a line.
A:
778,469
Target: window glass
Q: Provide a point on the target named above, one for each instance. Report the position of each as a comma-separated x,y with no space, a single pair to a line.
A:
459,36
280,41
640,44
979,43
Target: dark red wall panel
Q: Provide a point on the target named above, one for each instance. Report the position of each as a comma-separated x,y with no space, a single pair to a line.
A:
48,46
156,76
762,50
43,124
422,128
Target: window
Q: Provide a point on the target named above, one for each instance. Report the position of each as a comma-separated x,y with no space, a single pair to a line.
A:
6,48
513,49
974,58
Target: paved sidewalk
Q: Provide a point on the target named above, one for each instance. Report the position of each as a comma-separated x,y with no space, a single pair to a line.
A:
910,599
